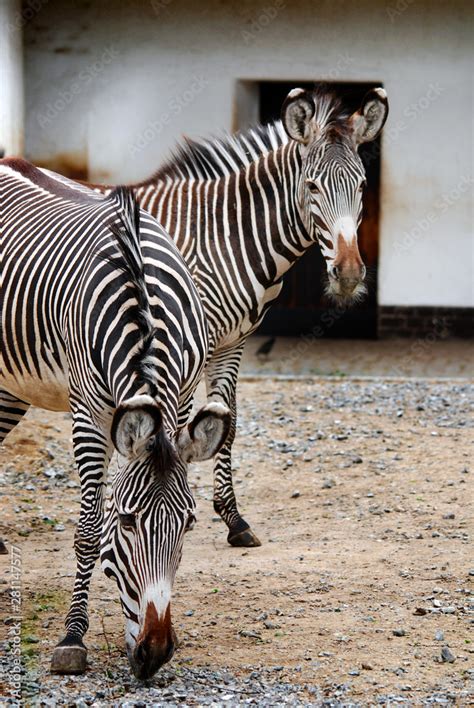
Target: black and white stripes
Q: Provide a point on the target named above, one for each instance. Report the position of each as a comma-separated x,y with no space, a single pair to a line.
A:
100,316
242,209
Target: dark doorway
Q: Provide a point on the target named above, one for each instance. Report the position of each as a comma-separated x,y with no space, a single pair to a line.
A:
301,307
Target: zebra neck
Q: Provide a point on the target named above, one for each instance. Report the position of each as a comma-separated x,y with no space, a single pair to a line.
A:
274,218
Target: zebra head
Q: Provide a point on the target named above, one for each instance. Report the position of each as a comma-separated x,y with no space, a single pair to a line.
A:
150,510
333,178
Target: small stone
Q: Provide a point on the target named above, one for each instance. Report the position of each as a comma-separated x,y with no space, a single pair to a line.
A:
328,484
439,636
354,672
447,655
471,572
448,610
270,625
189,613
250,634
296,494
357,460
366,666
420,611
449,516
398,632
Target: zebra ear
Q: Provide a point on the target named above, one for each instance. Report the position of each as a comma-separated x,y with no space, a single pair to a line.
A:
205,434
134,424
296,114
369,120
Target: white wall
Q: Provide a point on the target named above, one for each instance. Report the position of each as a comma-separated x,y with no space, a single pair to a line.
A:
112,85
11,77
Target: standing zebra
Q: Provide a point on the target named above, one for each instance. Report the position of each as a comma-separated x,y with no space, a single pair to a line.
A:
100,316
242,210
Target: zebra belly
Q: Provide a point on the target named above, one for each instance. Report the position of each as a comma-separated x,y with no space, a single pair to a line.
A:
249,322
49,390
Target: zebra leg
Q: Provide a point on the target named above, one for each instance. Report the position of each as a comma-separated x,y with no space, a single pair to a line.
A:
221,377
12,410
92,452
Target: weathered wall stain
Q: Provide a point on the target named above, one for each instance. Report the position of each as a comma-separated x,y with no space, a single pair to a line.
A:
69,164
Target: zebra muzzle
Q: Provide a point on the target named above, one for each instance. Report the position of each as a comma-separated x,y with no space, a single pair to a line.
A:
155,644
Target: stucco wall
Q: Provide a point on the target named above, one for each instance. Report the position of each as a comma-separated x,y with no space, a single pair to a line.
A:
11,77
111,85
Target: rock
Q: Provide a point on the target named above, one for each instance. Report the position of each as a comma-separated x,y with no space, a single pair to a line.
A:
249,634
296,494
328,484
420,611
439,636
398,632
270,625
3,548
366,666
447,655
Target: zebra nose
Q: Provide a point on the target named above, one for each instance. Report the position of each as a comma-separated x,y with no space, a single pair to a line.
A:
148,657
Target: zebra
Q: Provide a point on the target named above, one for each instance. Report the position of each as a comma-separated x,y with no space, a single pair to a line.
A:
244,208
100,316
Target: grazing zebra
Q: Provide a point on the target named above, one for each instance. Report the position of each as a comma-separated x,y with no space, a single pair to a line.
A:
101,317
242,210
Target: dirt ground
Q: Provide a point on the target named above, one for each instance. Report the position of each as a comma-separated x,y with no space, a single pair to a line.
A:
361,493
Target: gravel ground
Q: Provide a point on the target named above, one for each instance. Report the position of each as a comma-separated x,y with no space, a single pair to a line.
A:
361,594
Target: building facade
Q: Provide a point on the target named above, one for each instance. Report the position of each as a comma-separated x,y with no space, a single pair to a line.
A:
109,86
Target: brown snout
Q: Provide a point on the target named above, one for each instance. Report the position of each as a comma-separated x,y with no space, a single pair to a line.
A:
155,643
348,267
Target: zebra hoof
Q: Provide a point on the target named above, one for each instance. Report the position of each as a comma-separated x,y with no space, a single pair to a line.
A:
246,539
69,660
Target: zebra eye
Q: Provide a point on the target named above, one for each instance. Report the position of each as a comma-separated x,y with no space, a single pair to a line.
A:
127,521
313,187
190,523
362,185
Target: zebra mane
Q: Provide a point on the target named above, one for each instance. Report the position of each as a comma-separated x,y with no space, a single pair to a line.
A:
211,158
126,231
